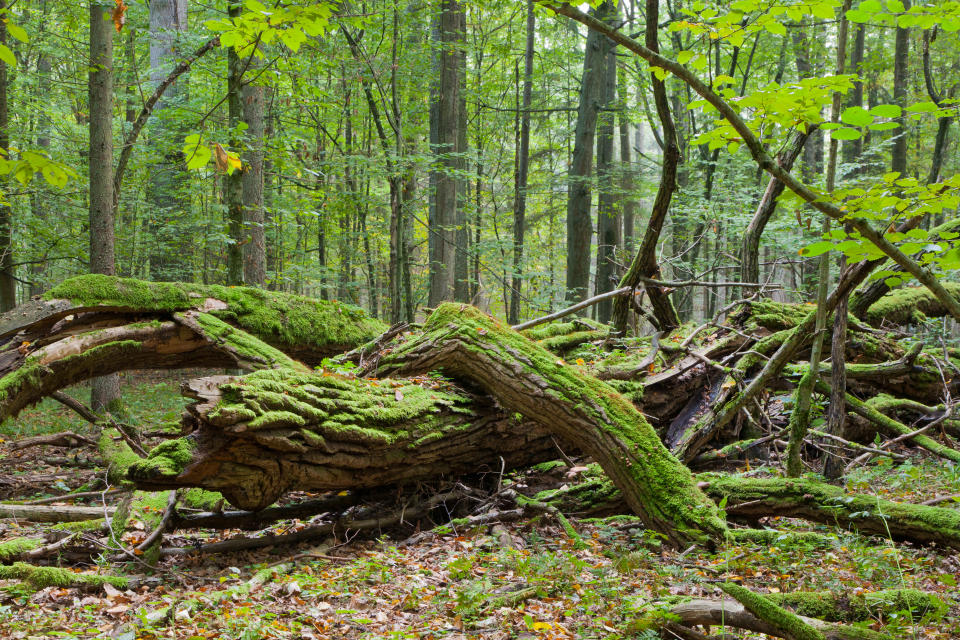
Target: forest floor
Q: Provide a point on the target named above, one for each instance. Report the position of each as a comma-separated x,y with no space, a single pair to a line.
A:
527,580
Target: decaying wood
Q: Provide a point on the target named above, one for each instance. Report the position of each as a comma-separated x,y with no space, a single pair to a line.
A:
56,513
67,439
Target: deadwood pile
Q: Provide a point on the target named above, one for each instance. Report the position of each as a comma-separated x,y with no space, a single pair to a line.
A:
332,401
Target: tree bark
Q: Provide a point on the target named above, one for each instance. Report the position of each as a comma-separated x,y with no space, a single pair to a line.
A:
233,182
579,193
253,96
445,123
901,53
609,223
169,254
8,283
105,391
523,165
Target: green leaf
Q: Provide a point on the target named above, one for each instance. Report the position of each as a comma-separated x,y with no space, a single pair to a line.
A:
17,32
871,6
823,10
887,111
775,28
684,56
884,126
197,156
855,15
845,133
6,55
923,107
856,116
816,248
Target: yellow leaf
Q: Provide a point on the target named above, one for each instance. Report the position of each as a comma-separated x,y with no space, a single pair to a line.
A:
542,626
580,361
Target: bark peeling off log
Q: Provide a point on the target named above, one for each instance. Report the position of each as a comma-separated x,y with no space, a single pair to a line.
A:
464,342
28,376
258,436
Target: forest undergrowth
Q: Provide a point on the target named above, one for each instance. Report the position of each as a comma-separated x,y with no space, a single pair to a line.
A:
513,579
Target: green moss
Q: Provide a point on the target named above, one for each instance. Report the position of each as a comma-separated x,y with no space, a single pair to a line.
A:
859,511
13,548
563,344
560,328
788,622
660,487
774,316
858,607
201,499
909,305
168,458
244,343
41,577
81,526
118,456
281,319
772,537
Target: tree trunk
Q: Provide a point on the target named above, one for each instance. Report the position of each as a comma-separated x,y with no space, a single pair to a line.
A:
169,211
445,122
105,391
608,217
750,254
901,53
233,182
523,165
254,244
8,283
579,193
527,379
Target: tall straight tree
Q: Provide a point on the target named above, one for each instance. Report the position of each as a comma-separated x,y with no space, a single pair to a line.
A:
522,168
609,222
253,96
8,285
170,256
445,138
233,182
579,193
898,158
105,390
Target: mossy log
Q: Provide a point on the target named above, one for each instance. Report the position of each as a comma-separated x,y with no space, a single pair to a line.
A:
909,305
727,612
254,437
523,377
754,498
305,329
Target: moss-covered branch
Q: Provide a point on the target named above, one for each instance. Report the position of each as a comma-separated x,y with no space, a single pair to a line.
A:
304,328
463,342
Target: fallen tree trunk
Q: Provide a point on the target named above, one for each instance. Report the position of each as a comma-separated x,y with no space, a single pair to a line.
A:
523,377
305,329
255,437
754,498
53,513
